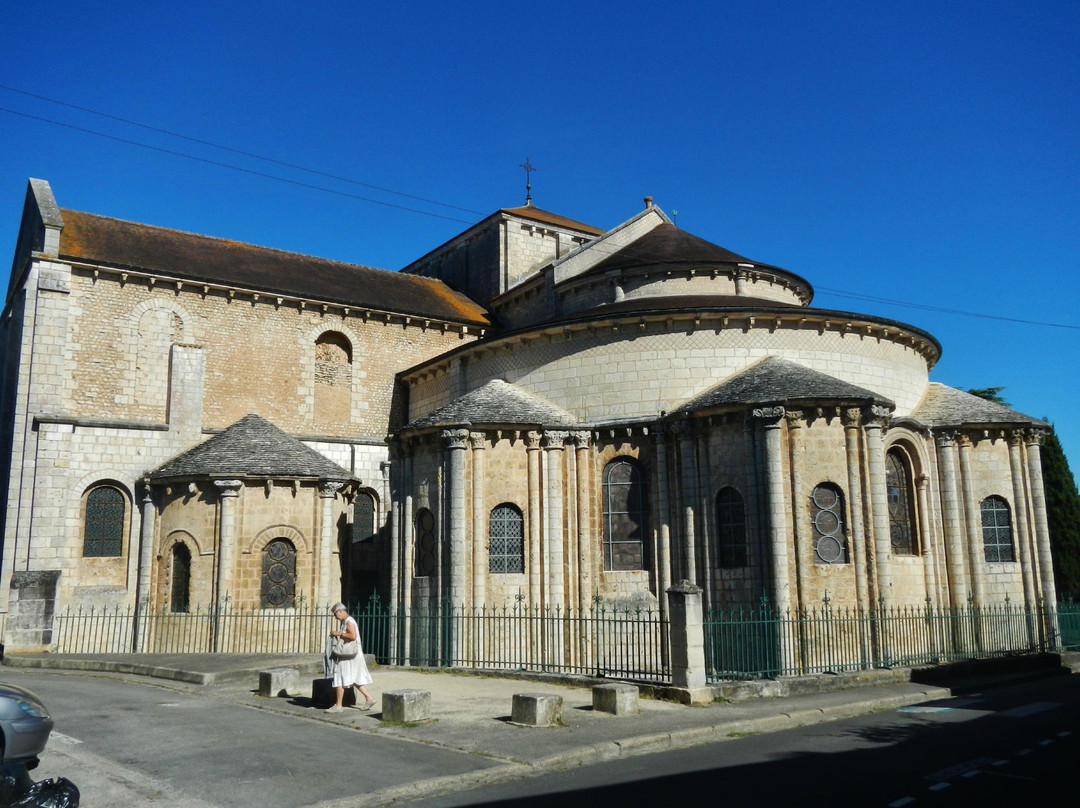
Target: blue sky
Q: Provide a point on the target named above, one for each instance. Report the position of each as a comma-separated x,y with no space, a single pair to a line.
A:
918,161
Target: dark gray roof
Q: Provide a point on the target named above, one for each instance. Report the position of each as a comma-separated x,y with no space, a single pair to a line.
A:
776,381
946,406
497,402
252,447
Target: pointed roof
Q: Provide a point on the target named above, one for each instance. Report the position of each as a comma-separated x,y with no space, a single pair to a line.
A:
777,381
946,406
252,447
497,402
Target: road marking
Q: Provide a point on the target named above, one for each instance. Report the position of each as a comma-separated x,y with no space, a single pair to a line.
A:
1023,752
939,786
1030,709
60,737
1047,742
971,773
902,801
1065,733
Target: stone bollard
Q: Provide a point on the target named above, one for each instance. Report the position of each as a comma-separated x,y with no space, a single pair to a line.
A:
406,706
279,682
323,694
615,698
537,710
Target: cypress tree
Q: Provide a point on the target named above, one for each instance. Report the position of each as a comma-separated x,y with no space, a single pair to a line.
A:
1063,516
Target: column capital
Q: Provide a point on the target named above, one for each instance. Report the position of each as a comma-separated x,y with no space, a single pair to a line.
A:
555,439
328,488
877,416
768,416
946,438
454,438
532,440
478,440
794,418
1035,437
582,438
852,417
228,488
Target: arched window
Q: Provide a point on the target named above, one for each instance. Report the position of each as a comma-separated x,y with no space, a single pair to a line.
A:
180,600
104,518
363,526
333,378
827,517
506,539
997,530
898,490
731,529
425,543
625,516
278,589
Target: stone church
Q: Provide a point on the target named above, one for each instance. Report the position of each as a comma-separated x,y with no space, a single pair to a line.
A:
538,411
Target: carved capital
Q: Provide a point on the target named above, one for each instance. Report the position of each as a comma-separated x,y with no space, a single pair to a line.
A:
852,417
945,439
532,440
329,488
1036,437
768,416
963,440
454,438
228,488
555,439
877,416
582,439
478,440
794,418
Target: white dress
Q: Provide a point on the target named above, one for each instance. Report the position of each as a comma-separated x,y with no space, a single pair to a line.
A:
353,671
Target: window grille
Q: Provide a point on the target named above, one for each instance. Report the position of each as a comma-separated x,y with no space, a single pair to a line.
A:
731,528
827,516
181,579
363,527
901,505
425,543
997,530
506,540
278,590
624,516
103,528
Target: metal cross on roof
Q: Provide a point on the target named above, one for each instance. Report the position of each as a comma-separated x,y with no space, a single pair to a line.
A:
529,169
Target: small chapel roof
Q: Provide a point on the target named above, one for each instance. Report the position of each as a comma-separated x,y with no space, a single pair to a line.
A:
205,259
497,402
252,447
776,381
547,217
942,406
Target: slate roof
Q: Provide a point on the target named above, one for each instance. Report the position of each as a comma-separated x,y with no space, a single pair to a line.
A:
946,406
252,447
778,381
497,402
187,256
668,245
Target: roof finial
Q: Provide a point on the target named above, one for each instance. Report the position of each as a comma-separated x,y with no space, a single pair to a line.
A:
648,201
529,169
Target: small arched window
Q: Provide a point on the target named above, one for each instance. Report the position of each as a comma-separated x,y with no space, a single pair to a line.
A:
333,378
898,489
506,539
104,517
180,600
625,515
997,530
827,517
731,529
425,543
363,526
278,589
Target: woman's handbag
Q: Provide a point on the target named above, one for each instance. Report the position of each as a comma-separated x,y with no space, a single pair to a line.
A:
344,649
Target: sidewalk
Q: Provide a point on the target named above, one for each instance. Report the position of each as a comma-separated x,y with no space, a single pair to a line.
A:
471,711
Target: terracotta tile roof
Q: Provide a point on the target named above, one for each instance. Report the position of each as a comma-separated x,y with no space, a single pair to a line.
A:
252,447
779,381
943,406
536,214
187,256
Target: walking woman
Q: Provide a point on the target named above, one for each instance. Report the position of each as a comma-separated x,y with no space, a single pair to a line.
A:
351,672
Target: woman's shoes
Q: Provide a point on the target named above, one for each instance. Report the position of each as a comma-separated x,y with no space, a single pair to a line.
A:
334,709
367,705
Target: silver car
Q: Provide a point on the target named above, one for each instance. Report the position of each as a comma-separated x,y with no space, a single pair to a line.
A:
25,725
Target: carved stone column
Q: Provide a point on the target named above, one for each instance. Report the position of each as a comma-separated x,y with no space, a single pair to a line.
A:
532,447
454,440
852,420
976,563
776,507
803,552
875,456
688,500
478,440
1042,527
663,561
585,546
328,490
146,561
554,443
1023,536
922,486
228,491
955,566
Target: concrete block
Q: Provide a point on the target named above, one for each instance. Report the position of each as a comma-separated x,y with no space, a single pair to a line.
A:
323,694
406,705
279,682
537,709
615,698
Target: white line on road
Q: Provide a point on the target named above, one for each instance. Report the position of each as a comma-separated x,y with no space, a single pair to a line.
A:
60,737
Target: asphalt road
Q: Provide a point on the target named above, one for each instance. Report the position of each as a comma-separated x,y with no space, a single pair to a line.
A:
1011,746
130,742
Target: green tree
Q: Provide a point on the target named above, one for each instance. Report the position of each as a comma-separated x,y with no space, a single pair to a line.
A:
1063,516
991,394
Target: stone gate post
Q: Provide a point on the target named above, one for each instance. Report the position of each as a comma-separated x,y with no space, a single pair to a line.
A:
687,640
